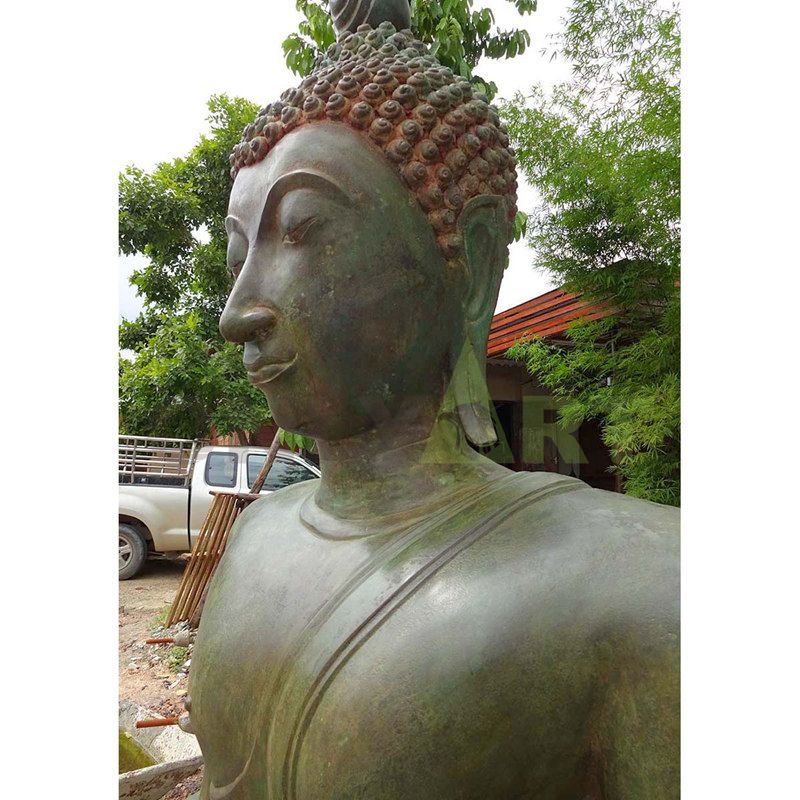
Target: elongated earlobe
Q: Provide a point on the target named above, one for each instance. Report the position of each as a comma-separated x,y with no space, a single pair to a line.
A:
470,397
484,226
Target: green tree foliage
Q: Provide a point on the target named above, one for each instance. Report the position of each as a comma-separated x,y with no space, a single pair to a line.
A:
457,34
183,378
183,381
604,152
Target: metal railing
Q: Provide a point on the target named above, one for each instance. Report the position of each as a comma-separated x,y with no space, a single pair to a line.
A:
150,459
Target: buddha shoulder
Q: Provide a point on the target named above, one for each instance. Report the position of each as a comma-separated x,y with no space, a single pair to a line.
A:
570,563
272,511
579,551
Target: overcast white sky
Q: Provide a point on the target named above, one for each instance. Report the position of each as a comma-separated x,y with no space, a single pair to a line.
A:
174,55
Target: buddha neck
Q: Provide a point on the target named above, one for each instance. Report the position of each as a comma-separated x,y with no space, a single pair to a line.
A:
405,463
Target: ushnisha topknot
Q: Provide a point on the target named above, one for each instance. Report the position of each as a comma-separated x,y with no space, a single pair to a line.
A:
445,140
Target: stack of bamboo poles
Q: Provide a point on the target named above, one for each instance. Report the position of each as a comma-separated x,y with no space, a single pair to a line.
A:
211,542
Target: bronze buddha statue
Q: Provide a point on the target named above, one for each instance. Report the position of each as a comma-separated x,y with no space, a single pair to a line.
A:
421,623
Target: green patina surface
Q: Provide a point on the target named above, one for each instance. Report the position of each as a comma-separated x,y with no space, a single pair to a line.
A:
131,756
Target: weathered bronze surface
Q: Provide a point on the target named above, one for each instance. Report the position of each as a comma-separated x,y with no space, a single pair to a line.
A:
349,14
421,622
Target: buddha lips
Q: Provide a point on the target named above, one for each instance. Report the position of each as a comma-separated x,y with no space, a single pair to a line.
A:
446,142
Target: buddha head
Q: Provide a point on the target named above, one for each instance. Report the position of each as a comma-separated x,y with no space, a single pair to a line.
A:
369,224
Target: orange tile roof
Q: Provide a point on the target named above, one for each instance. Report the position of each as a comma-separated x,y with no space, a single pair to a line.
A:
550,314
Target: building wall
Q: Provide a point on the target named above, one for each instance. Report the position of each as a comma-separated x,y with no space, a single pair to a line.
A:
534,440
262,437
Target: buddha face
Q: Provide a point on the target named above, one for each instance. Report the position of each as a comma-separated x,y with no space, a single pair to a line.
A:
344,303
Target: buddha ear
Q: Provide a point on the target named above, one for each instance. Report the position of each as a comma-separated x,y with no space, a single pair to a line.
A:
484,226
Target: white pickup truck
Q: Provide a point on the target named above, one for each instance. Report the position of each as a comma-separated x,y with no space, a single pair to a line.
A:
165,490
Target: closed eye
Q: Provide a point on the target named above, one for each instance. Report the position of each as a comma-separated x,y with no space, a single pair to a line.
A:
296,234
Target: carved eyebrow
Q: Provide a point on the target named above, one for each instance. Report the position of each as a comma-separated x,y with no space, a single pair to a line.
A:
303,179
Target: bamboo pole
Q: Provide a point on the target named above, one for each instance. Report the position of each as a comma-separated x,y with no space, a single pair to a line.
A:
258,484
194,617
228,515
212,541
220,507
190,572
157,723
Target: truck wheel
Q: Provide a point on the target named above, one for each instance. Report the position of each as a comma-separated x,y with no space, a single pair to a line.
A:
132,551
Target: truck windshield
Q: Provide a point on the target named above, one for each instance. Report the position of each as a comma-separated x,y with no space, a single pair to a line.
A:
282,473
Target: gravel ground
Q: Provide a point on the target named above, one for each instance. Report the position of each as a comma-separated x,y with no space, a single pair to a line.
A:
185,788
145,673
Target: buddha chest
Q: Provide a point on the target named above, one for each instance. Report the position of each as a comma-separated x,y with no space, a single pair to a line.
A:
444,659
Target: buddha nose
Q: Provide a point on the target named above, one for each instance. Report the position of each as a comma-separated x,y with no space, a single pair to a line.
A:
242,323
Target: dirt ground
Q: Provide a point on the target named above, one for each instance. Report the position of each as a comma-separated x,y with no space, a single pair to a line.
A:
143,602
145,675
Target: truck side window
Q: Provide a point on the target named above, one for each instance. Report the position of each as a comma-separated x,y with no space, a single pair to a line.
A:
282,473
221,469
